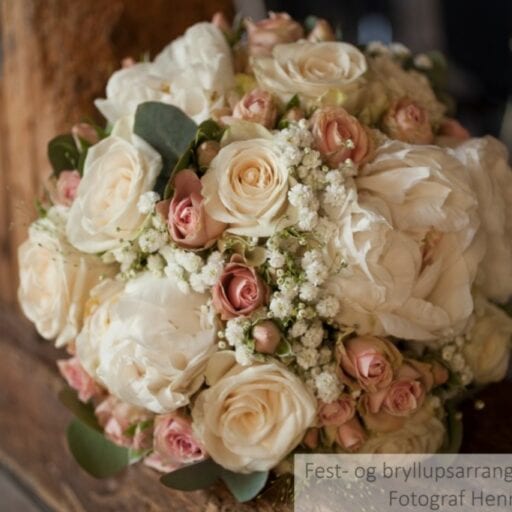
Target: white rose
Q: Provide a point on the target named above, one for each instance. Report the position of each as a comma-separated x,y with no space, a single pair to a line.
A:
486,160
422,433
411,246
246,187
154,351
488,352
55,279
117,171
251,417
311,70
195,73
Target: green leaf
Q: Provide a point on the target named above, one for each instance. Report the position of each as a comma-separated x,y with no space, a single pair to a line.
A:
310,22
96,454
245,487
193,477
81,411
63,154
293,103
454,432
169,131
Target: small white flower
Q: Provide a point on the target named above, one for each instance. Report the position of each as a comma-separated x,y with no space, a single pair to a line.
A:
298,329
151,240
448,352
289,288
377,47
328,307
423,61
300,196
308,219
147,201
235,331
399,49
197,283
243,355
325,355
458,362
313,336
183,286
155,264
328,386
307,358
190,261
276,259
281,307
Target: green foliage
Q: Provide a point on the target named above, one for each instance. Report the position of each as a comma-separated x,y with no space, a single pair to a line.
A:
63,154
81,411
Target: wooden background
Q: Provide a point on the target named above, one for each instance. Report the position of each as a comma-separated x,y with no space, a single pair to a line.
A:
55,58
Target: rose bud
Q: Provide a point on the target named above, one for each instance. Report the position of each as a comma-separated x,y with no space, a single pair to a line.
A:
128,62
336,413
84,131
408,122
63,192
368,362
239,291
322,31
221,22
350,435
277,29
452,128
294,114
404,396
79,379
257,106
267,336
206,152
440,373
338,136
311,438
189,224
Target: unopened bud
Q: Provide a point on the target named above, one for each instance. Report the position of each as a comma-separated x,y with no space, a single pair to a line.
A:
206,152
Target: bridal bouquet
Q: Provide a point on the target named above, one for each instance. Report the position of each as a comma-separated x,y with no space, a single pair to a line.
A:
280,242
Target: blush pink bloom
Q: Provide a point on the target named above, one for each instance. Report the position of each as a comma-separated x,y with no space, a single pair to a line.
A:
452,128
239,291
66,187
368,362
338,136
409,122
336,413
86,132
311,438
278,28
174,444
351,435
189,224
257,106
79,379
267,336
221,22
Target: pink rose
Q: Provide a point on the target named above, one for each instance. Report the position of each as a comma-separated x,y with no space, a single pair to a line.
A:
84,132
189,224
336,413
452,128
409,122
311,438
338,136
267,336
351,435
239,291
322,31
66,187
368,362
257,106
277,29
174,444
79,379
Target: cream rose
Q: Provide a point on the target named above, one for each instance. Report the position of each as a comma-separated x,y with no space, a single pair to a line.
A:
246,187
55,279
154,349
311,70
411,244
488,352
251,417
117,171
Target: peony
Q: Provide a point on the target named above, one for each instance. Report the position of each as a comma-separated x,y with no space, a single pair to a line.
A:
189,225
339,136
257,107
55,279
411,245
251,417
488,352
246,187
152,344
117,171
490,177
311,70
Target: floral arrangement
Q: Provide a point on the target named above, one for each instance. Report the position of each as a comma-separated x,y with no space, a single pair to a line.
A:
279,243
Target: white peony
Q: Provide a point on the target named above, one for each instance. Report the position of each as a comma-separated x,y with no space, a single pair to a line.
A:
55,279
311,70
251,417
411,246
117,171
486,161
154,351
195,73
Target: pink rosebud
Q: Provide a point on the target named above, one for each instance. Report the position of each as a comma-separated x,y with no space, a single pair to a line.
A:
294,114
66,188
311,438
278,28
351,435
338,136
128,62
452,128
206,152
257,106
403,397
239,291
189,224
322,31
409,122
336,413
174,444
86,132
368,362
440,374
267,336
78,379
221,22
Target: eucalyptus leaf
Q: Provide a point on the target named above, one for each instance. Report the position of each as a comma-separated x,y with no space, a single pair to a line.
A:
63,154
245,487
94,453
81,411
193,476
